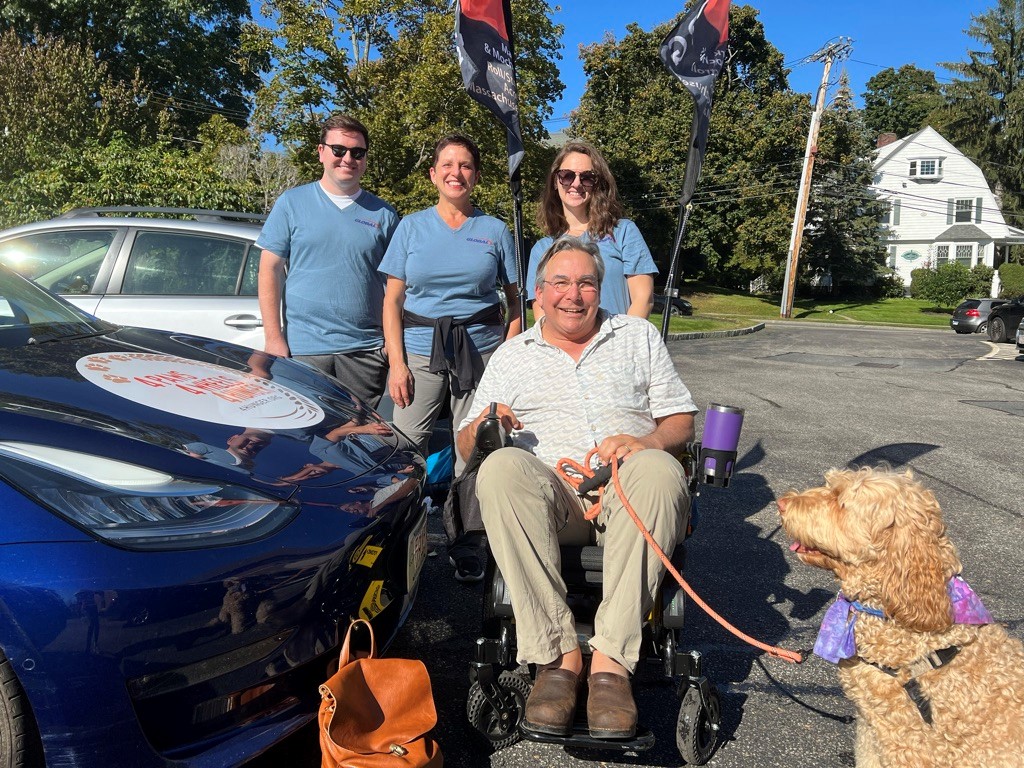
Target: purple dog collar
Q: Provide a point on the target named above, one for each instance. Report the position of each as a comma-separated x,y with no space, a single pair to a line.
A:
836,639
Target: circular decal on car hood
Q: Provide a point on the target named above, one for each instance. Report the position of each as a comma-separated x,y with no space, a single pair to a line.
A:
199,390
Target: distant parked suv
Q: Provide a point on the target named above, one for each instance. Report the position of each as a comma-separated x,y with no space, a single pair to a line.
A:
1004,319
972,315
149,267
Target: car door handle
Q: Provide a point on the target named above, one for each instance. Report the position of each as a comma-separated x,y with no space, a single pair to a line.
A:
243,322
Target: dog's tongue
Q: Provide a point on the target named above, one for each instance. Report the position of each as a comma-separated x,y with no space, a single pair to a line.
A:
796,546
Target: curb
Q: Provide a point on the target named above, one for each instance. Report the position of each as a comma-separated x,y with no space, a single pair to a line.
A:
713,334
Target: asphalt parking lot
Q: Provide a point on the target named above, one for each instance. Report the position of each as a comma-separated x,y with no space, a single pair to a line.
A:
815,397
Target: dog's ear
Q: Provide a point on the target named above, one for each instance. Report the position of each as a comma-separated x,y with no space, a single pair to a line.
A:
917,559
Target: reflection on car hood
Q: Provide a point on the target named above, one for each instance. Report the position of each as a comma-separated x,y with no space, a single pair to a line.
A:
192,406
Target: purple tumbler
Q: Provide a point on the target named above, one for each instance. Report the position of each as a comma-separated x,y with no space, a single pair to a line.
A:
722,424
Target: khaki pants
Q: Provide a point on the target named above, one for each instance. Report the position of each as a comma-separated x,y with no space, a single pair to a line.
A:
528,510
430,390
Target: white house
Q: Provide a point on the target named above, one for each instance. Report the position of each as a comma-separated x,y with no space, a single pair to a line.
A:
940,206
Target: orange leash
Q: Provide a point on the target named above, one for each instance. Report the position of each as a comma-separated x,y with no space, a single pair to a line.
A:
595,509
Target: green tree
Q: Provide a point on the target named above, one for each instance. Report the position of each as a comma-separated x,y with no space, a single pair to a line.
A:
901,101
843,237
984,114
187,52
640,116
391,63
121,172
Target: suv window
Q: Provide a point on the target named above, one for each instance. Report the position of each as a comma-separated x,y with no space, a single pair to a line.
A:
182,264
64,262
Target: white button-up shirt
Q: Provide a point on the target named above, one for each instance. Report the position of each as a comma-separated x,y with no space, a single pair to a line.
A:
623,381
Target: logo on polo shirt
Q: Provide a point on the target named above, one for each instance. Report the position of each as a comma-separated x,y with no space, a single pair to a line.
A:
368,223
481,240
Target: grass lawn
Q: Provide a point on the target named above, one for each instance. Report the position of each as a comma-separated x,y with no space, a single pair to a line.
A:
719,309
714,302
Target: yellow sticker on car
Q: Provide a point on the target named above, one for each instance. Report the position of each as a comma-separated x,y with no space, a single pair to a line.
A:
374,601
365,554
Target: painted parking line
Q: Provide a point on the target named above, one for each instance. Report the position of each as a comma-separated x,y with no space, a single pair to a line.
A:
1001,352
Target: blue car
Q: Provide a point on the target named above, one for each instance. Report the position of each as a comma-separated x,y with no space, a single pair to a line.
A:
187,526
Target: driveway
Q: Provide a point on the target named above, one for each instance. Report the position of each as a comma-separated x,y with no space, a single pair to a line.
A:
815,397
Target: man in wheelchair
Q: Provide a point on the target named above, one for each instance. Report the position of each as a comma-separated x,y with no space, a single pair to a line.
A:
581,378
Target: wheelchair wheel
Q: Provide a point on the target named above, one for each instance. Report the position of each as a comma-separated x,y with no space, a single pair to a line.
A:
500,729
697,726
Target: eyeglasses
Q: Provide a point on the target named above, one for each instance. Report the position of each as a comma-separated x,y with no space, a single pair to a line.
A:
339,150
563,286
566,177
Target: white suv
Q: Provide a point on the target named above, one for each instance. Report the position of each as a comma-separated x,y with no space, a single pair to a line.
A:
196,276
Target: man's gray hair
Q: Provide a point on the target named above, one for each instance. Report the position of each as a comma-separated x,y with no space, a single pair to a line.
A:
570,243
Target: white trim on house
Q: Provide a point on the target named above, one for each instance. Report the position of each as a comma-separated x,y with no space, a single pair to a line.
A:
941,207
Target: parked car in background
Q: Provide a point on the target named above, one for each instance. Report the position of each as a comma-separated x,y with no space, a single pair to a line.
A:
137,266
679,307
186,527
971,316
1004,319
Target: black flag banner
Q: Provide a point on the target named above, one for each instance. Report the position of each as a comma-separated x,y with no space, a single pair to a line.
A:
483,39
695,52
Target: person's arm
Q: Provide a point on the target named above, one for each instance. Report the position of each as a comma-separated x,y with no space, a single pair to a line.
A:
270,288
641,295
671,434
400,384
512,298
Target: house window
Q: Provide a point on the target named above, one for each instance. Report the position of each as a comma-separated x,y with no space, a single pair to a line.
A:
964,254
892,214
892,257
964,210
941,254
927,168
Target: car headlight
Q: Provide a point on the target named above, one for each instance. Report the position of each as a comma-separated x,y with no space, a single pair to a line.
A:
138,507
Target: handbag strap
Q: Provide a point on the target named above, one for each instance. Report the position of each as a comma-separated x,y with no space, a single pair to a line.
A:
348,635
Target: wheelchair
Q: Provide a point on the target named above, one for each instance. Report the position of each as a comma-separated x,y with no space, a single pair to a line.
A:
499,687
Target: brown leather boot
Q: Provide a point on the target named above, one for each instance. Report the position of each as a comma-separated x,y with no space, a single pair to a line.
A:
551,704
611,712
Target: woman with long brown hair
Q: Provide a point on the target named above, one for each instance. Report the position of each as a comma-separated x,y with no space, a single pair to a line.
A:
581,199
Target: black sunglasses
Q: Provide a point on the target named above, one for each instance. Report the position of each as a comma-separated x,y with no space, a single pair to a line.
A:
588,179
339,150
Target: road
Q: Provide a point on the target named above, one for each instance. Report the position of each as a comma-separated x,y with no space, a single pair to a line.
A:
815,398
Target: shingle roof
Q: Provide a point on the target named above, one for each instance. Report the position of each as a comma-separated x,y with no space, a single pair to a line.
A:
963,233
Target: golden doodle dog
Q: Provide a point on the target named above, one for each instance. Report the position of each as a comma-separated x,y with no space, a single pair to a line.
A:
936,682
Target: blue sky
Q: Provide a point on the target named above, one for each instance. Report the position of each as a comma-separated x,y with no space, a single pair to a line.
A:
920,32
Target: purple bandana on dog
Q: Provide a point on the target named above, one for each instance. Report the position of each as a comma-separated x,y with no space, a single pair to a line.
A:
836,640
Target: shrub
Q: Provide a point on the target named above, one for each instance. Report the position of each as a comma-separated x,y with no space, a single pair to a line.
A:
949,285
1011,276
920,279
981,280
889,285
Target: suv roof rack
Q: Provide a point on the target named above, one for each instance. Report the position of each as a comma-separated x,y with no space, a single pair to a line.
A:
199,214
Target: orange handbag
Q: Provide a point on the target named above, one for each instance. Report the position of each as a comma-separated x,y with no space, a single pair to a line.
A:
377,712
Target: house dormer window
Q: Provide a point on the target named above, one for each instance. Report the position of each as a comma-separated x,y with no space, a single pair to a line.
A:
926,168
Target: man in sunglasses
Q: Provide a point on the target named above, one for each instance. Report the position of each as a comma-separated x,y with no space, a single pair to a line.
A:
322,244
581,378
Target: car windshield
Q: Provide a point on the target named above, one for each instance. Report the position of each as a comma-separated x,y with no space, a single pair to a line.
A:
30,315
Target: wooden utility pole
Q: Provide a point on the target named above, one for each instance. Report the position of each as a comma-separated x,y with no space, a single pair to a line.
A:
829,54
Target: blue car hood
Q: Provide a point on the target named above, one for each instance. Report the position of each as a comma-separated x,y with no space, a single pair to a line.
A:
194,406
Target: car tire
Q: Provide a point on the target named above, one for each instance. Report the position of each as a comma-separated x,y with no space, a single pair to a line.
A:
20,746
996,330
983,328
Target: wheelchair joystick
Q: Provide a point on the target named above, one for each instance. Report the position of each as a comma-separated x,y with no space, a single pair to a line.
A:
722,425
490,435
